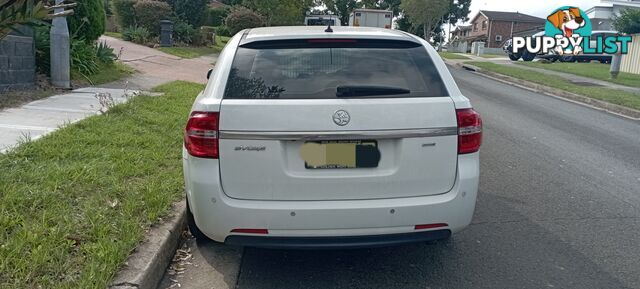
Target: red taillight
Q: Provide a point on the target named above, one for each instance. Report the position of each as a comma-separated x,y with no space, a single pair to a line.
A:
201,135
387,26
430,226
469,131
251,231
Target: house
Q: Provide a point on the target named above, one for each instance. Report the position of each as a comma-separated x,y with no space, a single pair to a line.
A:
496,27
458,40
601,16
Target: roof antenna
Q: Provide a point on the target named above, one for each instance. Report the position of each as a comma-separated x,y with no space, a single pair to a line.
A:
328,29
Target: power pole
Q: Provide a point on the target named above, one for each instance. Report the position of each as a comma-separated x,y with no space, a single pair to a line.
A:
60,47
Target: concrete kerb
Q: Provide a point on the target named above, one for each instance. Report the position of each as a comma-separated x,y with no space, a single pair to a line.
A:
145,268
554,92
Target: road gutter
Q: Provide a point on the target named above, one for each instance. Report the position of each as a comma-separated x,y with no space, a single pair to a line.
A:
553,92
145,267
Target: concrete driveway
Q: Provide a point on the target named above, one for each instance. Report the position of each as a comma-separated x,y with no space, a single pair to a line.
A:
558,207
156,67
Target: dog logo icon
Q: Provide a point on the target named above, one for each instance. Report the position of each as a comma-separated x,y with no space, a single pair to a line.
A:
568,22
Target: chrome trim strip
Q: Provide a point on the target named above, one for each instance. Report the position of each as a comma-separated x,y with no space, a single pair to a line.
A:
338,135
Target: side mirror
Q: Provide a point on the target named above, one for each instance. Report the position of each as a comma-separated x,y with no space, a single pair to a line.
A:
209,73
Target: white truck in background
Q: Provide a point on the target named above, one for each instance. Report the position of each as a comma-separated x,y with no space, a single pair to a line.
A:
371,18
322,20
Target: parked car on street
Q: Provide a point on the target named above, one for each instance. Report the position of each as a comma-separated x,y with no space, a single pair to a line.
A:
553,55
371,18
311,138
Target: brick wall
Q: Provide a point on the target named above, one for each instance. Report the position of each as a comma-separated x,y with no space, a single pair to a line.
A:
503,28
476,27
17,60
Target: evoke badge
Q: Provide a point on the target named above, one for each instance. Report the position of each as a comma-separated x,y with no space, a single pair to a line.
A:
251,148
341,117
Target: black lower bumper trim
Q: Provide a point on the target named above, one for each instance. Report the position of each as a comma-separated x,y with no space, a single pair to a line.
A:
336,242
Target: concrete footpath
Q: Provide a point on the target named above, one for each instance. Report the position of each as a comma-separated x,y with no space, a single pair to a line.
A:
35,119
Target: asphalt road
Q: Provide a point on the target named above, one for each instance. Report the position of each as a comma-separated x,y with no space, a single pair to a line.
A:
558,207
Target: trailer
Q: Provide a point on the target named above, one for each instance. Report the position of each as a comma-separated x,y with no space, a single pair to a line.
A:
371,18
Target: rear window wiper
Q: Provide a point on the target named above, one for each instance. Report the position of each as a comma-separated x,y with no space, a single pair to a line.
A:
369,90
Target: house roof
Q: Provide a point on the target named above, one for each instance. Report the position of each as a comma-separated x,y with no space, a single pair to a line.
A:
462,28
510,16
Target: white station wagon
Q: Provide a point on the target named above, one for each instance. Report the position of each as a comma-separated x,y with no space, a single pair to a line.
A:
316,137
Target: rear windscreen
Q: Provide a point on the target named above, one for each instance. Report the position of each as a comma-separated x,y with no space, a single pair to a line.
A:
320,22
332,68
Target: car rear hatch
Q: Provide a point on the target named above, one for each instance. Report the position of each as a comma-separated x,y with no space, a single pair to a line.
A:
336,119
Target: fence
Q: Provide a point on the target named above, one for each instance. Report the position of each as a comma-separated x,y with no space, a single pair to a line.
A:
631,61
17,60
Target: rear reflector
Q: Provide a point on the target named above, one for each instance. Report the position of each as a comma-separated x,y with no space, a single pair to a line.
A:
251,231
430,226
201,135
469,131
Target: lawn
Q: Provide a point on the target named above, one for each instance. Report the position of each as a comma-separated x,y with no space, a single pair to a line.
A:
592,70
106,73
76,202
615,96
451,55
114,34
196,51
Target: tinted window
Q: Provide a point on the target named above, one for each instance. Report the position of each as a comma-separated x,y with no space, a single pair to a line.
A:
323,69
320,22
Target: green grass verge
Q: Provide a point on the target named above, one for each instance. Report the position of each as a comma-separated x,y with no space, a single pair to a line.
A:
114,34
106,73
592,70
196,51
75,203
450,55
620,97
492,56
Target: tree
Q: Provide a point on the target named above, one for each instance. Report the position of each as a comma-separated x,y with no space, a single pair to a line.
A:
427,13
242,18
280,12
342,8
88,21
628,21
191,11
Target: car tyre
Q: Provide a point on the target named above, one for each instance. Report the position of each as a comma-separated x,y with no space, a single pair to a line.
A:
514,57
528,56
193,228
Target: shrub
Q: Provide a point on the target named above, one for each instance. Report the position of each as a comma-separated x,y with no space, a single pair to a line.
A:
183,32
83,57
104,53
223,31
628,22
215,17
88,20
136,34
191,11
150,12
43,52
125,13
242,18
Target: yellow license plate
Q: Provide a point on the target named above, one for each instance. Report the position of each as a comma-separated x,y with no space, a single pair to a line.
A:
340,154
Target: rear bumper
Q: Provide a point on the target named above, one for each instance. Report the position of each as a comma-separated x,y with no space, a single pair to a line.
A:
375,222
348,242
